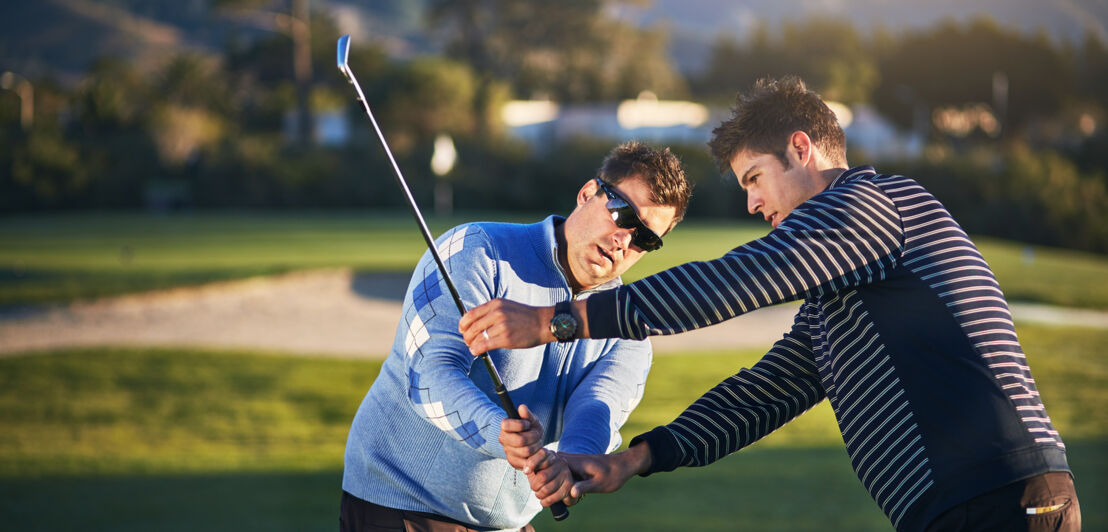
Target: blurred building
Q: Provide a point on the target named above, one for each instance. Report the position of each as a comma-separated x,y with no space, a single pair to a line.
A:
872,136
543,123
329,127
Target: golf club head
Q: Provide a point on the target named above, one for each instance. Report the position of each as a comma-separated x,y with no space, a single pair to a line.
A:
343,54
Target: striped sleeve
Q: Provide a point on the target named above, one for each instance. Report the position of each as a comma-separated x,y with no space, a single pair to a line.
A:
743,408
846,236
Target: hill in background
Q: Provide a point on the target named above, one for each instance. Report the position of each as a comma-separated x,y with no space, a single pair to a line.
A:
62,37
695,24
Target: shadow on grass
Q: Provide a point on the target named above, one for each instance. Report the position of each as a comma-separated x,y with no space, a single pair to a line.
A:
243,501
390,286
756,489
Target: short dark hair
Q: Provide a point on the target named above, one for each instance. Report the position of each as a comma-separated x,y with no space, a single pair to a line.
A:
660,169
763,119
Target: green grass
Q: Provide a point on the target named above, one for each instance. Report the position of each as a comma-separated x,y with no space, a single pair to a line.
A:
127,439
1048,275
99,411
65,257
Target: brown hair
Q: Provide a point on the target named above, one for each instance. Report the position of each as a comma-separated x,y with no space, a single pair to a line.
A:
763,119
660,169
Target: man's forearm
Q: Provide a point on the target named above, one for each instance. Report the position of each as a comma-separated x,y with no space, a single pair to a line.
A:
636,460
505,324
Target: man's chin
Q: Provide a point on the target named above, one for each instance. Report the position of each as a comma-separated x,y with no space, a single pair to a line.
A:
601,274
616,272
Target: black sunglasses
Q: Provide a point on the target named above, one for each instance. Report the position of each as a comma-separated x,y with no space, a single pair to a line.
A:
625,217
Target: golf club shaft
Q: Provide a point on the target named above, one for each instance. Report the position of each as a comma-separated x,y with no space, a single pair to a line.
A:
558,509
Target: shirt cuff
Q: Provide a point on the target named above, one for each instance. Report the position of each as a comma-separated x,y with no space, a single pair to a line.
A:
601,308
665,455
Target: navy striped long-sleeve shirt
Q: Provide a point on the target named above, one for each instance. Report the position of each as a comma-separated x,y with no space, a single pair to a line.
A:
903,329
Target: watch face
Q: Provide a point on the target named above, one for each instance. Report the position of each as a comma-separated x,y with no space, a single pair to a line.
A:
563,326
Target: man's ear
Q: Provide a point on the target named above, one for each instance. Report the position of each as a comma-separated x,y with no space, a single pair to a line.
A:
800,148
588,190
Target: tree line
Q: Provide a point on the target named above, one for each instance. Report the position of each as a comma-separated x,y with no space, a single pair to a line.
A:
212,131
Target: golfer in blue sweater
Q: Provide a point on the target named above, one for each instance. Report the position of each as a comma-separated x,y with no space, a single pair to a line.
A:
423,451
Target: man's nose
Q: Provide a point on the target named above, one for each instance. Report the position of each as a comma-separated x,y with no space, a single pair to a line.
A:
622,237
753,203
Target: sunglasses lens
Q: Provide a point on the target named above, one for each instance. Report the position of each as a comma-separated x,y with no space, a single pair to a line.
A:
625,218
646,241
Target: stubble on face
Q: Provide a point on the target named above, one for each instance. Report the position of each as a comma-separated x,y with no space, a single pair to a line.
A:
596,250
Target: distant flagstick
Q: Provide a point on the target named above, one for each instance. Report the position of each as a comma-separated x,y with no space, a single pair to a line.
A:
558,509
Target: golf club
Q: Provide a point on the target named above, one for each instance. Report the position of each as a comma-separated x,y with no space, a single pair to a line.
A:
558,509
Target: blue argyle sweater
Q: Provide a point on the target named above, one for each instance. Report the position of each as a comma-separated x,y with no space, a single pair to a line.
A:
425,436
903,329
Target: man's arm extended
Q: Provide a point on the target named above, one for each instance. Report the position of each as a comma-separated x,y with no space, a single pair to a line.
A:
505,324
849,236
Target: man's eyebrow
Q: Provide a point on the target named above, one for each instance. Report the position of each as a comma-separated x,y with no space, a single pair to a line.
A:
745,179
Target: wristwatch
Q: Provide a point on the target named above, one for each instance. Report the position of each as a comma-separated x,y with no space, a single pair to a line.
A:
563,325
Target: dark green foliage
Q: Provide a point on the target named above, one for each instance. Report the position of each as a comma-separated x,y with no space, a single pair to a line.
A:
1036,197
210,131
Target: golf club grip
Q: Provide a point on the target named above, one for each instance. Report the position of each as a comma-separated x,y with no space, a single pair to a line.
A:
506,400
558,509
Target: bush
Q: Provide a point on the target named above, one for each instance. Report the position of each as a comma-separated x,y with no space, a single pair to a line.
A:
1031,196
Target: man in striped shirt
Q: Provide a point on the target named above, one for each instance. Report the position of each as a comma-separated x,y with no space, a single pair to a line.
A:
903,328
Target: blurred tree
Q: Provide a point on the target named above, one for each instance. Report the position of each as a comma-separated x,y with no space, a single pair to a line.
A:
569,51
40,166
49,169
955,65
180,132
841,67
194,81
111,97
636,60
294,21
1092,70
418,100
88,148
1091,152
828,54
192,108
